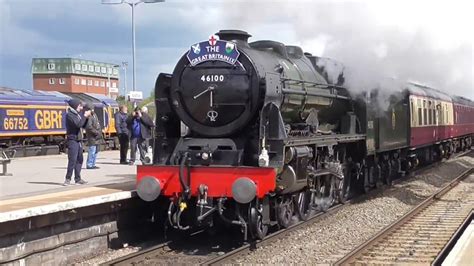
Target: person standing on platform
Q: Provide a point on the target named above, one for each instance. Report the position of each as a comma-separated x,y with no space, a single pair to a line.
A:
74,124
122,132
149,125
140,125
94,136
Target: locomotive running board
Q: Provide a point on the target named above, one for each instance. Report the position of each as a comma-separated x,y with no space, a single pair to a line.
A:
325,139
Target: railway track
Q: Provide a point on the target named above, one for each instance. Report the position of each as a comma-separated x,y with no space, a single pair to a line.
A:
228,257
218,260
164,253
138,256
418,236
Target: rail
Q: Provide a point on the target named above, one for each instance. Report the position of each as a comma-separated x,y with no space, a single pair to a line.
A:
359,251
269,239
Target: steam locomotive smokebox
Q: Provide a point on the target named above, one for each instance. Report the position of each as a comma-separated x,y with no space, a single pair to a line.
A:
348,123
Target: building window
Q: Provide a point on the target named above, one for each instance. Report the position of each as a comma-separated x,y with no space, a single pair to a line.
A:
97,69
84,67
109,70
96,83
108,84
89,82
91,68
62,81
51,66
83,82
103,70
76,81
114,85
77,66
115,71
102,84
51,81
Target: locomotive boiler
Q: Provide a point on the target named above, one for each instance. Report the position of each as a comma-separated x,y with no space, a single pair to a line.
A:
270,135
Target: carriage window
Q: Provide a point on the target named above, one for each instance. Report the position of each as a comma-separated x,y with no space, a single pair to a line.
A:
425,114
420,117
412,113
447,114
440,112
430,114
434,116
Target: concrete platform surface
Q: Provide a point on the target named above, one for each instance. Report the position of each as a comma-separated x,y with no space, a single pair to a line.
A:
463,251
52,202
45,174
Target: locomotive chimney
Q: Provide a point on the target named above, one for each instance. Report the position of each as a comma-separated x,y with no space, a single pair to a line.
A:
237,36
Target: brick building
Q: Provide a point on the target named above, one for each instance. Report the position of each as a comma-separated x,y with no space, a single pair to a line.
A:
75,75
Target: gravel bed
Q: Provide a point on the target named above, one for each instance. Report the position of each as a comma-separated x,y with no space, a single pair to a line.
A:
183,249
332,237
109,255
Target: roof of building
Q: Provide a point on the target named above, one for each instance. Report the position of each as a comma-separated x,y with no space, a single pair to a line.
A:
75,66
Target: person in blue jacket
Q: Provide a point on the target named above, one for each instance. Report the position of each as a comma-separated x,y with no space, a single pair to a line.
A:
140,127
74,124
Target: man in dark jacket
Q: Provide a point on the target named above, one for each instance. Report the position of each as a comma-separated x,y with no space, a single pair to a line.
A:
93,135
74,124
122,132
140,125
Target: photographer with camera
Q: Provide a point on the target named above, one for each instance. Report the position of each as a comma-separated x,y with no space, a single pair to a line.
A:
74,124
140,126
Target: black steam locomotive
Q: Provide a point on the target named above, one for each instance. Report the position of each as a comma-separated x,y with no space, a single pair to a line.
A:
271,136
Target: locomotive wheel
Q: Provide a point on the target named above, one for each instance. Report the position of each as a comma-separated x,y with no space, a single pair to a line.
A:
366,186
257,228
378,172
303,204
395,168
343,189
372,177
344,185
325,197
387,173
285,213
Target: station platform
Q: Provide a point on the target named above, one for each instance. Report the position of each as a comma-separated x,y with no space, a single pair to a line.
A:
35,186
463,251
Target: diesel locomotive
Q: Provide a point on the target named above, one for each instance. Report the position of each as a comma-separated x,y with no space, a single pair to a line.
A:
33,122
272,135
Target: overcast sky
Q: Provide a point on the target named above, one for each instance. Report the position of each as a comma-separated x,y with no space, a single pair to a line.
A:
424,41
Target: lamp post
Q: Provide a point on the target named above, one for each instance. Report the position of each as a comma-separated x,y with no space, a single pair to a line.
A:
132,4
124,67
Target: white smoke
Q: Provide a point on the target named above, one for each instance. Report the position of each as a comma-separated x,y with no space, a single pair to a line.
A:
424,42
332,68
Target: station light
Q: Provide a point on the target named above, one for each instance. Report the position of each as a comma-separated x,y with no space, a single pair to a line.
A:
132,4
